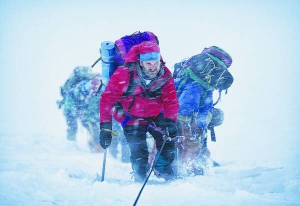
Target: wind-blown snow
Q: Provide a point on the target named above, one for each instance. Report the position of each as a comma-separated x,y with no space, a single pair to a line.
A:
257,145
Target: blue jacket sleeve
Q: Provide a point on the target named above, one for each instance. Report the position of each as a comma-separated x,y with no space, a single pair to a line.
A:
192,98
189,99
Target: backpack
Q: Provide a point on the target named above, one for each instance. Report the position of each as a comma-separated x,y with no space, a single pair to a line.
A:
124,44
79,74
209,69
113,54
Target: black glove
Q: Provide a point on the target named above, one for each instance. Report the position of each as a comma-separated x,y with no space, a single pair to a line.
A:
105,134
170,128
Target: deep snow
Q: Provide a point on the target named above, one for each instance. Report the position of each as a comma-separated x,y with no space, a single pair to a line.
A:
45,170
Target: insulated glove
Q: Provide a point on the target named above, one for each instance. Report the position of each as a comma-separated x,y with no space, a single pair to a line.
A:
170,127
105,134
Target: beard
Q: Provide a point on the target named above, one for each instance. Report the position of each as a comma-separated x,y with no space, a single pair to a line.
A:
150,73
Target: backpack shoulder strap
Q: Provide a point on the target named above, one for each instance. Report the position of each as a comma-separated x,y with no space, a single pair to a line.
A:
100,87
132,85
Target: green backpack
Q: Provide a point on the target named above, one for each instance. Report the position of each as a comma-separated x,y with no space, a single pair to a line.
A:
209,69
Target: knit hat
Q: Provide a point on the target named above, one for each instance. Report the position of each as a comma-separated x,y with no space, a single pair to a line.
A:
149,51
145,51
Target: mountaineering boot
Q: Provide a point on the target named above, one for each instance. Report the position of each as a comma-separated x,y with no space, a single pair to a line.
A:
167,173
138,177
139,172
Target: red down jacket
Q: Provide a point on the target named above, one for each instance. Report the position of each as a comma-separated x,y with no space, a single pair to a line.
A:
136,104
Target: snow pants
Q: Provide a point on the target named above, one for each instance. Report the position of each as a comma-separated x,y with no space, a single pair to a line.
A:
136,139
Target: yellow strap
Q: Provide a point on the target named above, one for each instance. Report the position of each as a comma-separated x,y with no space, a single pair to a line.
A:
112,133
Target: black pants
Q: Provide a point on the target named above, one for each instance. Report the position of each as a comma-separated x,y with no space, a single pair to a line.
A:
136,139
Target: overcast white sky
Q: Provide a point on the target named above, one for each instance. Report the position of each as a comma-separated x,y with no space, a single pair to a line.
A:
42,41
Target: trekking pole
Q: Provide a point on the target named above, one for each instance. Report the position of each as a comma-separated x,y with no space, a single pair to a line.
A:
103,166
104,157
177,160
155,161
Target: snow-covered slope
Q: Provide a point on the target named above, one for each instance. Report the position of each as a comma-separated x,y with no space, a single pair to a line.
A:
258,143
48,170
